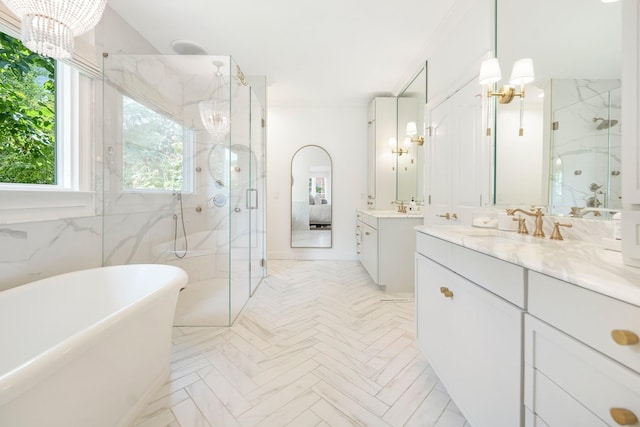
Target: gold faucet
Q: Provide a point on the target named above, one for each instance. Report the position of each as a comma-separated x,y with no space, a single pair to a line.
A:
522,225
401,206
556,231
538,214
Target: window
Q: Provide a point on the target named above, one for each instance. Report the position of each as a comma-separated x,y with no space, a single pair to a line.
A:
27,115
156,150
46,118
317,186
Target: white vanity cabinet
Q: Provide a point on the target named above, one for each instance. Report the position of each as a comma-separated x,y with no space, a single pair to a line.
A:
381,174
387,248
581,363
470,331
458,158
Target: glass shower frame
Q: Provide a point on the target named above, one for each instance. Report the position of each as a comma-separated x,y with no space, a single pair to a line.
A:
210,222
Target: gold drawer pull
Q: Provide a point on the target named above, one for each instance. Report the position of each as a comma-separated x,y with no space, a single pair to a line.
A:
446,292
624,337
623,417
448,216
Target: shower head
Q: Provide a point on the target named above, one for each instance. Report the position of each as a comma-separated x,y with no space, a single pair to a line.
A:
604,123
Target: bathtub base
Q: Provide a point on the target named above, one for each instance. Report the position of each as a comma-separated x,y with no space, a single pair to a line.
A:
107,375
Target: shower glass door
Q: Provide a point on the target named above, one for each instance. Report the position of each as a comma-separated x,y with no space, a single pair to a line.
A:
241,198
256,194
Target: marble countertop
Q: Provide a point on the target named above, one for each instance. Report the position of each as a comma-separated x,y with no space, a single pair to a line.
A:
582,263
391,214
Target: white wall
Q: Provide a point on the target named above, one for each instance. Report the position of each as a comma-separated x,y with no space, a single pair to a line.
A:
342,131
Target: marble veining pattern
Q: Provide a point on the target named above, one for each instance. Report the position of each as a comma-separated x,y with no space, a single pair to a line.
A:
582,263
36,250
315,346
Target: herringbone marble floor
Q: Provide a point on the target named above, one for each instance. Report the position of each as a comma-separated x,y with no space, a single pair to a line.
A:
317,345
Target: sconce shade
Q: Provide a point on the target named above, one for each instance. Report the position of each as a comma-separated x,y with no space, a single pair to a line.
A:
49,26
489,71
412,128
522,72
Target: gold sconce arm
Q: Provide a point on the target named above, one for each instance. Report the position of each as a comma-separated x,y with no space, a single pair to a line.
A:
506,93
418,141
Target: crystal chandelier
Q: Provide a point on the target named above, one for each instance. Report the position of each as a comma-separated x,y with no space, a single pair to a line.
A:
214,112
49,26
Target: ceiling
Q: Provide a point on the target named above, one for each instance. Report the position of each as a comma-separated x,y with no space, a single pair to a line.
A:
329,52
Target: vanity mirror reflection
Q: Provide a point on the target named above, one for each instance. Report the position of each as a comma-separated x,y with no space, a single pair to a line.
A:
410,137
311,195
569,153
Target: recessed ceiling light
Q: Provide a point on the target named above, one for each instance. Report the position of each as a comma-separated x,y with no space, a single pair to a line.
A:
609,1
187,47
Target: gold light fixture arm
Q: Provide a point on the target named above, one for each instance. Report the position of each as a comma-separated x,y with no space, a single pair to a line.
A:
418,141
506,93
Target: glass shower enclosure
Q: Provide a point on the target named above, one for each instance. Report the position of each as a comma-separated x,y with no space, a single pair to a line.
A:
183,176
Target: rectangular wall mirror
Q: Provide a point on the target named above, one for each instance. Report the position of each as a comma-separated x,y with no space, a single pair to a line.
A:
410,138
569,153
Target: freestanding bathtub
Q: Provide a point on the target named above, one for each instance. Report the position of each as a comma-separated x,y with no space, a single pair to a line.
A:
88,348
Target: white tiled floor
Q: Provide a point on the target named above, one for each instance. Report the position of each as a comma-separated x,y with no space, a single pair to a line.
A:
315,346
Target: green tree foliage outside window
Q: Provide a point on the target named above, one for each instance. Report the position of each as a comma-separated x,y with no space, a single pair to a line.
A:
27,115
153,149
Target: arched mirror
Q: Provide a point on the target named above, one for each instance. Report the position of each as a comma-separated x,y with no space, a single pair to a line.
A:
311,195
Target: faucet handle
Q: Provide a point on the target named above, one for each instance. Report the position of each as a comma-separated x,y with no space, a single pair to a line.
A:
555,235
522,225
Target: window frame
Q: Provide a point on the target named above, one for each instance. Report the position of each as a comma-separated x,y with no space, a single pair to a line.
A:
73,195
188,150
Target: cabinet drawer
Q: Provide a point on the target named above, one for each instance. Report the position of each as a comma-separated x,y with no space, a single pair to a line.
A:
371,221
500,277
592,317
568,383
438,250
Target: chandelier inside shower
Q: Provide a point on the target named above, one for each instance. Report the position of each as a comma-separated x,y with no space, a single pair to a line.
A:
214,111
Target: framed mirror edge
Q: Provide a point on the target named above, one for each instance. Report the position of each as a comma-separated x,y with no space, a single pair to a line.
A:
306,179
547,183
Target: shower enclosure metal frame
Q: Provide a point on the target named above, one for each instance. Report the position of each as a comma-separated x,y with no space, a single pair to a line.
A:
180,192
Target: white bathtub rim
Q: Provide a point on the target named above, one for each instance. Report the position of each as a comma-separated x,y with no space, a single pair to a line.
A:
20,379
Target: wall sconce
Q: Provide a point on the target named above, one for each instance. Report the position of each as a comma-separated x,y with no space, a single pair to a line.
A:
521,74
412,131
399,151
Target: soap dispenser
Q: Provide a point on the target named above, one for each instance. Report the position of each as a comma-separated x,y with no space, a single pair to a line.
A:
412,205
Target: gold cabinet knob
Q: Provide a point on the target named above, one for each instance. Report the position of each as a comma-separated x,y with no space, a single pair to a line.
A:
446,292
623,417
447,216
623,337
454,216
